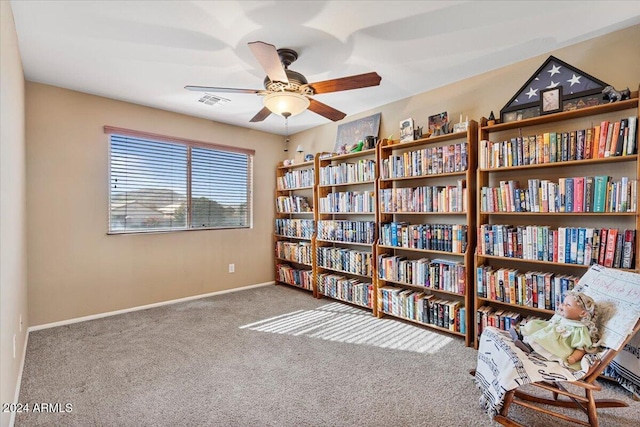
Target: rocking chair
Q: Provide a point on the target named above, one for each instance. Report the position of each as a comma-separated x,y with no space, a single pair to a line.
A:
597,282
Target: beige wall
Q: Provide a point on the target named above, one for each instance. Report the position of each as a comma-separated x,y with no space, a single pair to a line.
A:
613,58
75,268
13,255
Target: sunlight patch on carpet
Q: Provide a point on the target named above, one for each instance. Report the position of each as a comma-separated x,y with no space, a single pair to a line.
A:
344,323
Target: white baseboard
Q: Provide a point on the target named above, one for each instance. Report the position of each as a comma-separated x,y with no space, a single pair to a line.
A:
16,395
141,307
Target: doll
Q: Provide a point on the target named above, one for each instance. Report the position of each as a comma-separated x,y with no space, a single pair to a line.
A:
567,336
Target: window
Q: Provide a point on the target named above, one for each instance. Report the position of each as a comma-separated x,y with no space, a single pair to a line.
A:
162,184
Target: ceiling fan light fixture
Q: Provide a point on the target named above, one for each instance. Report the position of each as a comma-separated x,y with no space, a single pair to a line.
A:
286,102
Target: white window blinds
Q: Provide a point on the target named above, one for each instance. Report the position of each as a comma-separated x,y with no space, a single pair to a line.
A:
163,186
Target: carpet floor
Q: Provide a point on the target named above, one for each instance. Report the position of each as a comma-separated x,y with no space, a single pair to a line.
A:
269,356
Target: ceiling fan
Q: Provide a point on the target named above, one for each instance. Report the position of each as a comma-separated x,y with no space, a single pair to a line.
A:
287,92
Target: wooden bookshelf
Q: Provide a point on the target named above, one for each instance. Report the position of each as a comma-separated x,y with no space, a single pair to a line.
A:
344,254
295,225
437,188
515,218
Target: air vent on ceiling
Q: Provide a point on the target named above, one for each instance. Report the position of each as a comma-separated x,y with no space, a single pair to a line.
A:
213,100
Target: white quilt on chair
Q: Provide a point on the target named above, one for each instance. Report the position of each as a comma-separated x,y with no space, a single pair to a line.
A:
502,367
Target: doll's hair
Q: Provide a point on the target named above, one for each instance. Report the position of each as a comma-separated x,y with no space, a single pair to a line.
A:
591,313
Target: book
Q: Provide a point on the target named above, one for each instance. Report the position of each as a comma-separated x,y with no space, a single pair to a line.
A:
572,145
603,245
569,193
588,141
633,134
602,143
580,142
628,248
596,142
617,255
620,137
600,192
610,248
578,194
613,129
588,194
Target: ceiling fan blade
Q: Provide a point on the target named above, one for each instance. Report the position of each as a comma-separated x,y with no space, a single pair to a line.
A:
267,56
325,111
346,83
220,89
262,114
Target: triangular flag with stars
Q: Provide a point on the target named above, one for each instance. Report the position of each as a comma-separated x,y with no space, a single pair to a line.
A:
554,73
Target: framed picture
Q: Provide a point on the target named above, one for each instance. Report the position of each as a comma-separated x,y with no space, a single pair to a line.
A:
439,124
406,130
357,130
551,100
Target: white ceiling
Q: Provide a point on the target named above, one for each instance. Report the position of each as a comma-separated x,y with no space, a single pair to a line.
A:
145,52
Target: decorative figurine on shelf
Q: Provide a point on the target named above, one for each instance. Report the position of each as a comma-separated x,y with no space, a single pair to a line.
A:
417,132
609,93
492,119
567,336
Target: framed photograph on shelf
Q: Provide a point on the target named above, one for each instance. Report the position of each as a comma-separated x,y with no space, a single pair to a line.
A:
551,100
406,130
352,132
439,124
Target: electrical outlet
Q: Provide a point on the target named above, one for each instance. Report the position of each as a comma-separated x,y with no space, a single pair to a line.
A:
14,346
232,268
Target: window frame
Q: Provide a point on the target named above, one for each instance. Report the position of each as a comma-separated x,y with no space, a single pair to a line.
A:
189,143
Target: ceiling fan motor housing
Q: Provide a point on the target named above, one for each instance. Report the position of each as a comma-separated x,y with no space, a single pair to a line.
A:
296,81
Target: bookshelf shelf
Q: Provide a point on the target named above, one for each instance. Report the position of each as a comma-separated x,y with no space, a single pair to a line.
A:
539,166
408,172
518,306
293,238
286,236
348,184
614,159
434,175
293,261
428,325
533,261
433,251
343,271
423,213
342,242
440,291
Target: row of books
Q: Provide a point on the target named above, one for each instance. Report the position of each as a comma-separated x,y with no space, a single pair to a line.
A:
499,318
292,204
449,198
348,202
423,308
607,139
566,245
436,274
299,252
301,228
438,237
576,194
347,260
296,179
348,173
531,289
347,231
346,289
426,161
291,276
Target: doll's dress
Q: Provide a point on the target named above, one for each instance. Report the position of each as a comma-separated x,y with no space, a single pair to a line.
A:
557,338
